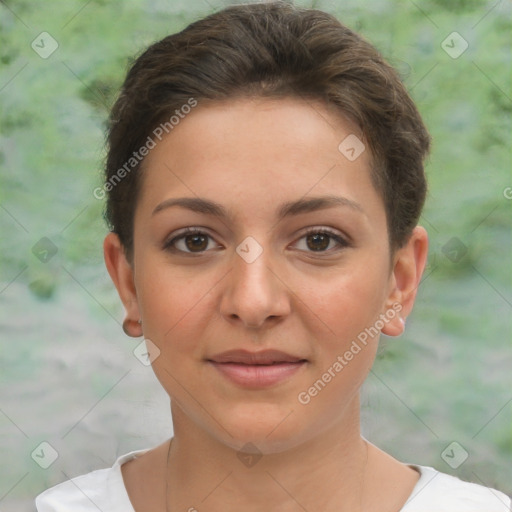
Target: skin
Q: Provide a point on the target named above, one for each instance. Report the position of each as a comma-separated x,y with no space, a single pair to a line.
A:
252,155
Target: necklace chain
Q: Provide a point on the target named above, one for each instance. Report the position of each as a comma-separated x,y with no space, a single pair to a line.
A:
167,477
363,478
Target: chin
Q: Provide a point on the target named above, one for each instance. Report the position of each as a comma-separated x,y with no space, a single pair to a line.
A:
268,427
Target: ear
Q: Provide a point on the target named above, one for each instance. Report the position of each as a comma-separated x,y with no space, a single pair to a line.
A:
121,273
408,266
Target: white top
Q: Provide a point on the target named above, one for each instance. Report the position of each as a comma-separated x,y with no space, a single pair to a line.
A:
104,490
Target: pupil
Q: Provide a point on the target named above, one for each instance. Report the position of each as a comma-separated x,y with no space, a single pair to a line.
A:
198,242
319,237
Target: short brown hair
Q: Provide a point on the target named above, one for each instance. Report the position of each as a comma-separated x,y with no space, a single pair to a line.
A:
272,50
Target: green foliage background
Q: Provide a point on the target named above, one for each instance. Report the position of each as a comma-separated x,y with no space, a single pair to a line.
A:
62,351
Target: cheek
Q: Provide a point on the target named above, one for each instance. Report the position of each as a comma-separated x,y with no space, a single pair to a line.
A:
348,303
176,305
345,348
177,312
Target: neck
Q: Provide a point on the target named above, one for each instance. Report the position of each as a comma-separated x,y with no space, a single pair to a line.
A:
324,472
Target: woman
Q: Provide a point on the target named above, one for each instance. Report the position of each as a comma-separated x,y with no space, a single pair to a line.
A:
265,179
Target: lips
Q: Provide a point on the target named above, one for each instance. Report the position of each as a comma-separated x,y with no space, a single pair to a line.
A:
265,357
256,369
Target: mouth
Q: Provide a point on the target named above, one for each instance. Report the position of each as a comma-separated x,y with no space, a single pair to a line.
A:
257,369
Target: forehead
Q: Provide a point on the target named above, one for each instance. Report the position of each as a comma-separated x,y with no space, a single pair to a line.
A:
256,153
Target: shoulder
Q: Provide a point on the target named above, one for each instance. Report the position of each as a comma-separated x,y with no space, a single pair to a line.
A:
80,494
102,489
439,492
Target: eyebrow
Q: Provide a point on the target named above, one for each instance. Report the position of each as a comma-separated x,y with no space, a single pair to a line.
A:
291,208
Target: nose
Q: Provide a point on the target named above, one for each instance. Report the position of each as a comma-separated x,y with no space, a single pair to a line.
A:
254,293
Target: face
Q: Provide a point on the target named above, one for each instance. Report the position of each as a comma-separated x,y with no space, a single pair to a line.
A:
267,314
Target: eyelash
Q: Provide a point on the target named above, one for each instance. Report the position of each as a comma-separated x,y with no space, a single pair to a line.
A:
342,242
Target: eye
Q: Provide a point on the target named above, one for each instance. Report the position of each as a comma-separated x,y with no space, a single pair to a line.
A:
191,241
197,241
319,240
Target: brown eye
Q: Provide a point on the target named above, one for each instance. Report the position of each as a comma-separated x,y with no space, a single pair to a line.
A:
318,241
191,241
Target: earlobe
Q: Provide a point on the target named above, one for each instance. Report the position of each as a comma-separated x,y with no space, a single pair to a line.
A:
121,273
409,264
395,326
